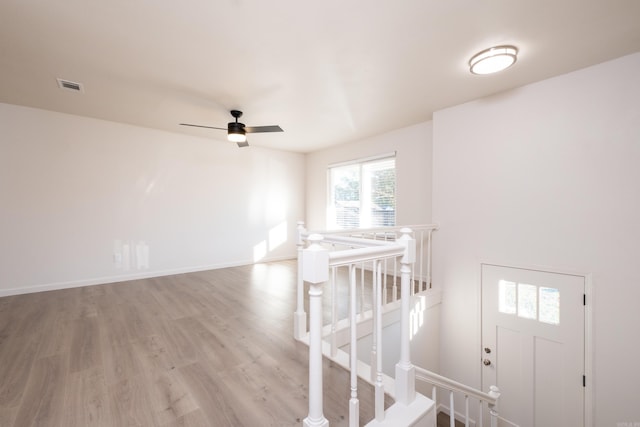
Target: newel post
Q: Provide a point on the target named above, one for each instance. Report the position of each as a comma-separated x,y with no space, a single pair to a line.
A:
405,371
300,317
315,268
494,392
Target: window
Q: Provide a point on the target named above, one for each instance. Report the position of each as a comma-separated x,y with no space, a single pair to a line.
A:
507,297
362,194
529,301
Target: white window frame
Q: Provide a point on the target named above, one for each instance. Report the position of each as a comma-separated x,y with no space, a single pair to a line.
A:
364,203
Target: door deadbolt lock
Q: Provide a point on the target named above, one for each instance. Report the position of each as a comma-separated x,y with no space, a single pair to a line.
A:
486,362
487,350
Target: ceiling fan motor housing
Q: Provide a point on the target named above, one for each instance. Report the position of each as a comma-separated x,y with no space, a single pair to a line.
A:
236,127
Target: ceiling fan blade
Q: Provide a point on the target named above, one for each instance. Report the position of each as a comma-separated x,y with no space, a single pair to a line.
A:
256,129
201,126
243,144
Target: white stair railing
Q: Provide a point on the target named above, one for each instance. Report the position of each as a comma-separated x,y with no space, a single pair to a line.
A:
340,239
384,252
423,233
318,264
488,400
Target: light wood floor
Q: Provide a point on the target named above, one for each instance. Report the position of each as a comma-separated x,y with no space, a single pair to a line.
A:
212,348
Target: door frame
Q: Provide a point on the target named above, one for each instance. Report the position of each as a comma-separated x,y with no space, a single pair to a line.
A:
588,327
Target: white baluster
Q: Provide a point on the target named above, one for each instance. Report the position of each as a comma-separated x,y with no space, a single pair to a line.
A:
421,277
452,411
405,371
362,284
493,409
434,397
374,320
385,236
429,260
384,280
379,387
334,314
300,317
354,404
394,291
466,411
315,264
480,413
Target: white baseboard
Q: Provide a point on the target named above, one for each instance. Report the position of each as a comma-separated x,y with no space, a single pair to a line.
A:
126,277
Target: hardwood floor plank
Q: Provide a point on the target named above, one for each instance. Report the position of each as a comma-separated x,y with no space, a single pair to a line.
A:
210,395
207,343
114,331
119,362
7,416
180,346
17,355
43,399
87,400
55,337
85,351
152,353
196,418
175,302
264,395
169,398
130,403
138,325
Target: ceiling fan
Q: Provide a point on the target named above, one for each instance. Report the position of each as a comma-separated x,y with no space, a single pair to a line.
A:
237,132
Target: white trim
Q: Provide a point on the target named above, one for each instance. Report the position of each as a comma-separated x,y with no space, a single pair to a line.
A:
363,160
126,277
589,418
589,353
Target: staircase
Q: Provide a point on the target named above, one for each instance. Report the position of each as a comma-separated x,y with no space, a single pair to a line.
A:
388,276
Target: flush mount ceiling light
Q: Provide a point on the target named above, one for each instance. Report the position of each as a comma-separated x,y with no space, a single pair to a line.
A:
493,60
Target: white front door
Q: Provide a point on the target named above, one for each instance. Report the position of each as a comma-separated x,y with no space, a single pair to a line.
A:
533,341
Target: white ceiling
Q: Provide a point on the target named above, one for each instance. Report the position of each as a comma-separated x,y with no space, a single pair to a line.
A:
326,71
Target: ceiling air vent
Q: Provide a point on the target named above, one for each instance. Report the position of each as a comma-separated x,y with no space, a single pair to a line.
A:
69,85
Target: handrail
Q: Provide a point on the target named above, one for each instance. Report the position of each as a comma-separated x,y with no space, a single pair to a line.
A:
380,229
367,237
352,256
348,240
449,384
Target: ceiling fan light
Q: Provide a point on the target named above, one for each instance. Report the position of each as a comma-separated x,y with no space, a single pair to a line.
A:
236,132
237,136
494,59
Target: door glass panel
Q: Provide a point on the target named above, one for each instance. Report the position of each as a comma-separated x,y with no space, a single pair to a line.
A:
506,297
549,305
527,301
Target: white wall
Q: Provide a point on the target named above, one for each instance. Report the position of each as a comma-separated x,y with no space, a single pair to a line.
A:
74,191
413,165
547,175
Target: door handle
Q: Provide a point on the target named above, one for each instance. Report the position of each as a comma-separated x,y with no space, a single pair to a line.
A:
486,362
